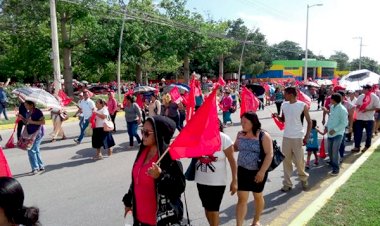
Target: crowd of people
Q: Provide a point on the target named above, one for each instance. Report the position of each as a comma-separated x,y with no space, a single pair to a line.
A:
344,113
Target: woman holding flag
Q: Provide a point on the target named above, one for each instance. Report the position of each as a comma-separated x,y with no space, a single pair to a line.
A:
155,191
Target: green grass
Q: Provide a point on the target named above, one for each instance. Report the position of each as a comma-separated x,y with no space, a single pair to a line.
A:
357,202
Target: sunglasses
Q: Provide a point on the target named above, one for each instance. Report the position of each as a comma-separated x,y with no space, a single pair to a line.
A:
146,133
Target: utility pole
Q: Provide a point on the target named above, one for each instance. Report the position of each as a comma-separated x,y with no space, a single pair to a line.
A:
119,56
55,47
360,51
241,58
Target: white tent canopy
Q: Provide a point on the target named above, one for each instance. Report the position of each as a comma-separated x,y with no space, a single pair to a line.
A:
356,79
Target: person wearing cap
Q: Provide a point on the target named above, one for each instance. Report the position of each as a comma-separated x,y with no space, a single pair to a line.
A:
366,105
226,104
86,107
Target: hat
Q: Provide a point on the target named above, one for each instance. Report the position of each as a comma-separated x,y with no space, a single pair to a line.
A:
338,88
350,91
368,86
163,80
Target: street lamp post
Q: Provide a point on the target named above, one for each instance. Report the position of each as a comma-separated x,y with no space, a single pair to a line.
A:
360,51
119,57
307,34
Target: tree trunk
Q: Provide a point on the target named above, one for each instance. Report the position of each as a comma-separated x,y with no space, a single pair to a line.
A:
67,69
138,74
221,61
186,69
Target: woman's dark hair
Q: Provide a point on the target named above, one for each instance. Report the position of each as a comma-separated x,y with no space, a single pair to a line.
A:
12,200
130,98
313,123
101,101
291,90
29,102
336,97
252,117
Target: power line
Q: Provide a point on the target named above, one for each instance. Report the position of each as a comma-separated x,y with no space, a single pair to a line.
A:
147,17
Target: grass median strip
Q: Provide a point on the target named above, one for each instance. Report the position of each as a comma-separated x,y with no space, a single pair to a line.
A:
357,202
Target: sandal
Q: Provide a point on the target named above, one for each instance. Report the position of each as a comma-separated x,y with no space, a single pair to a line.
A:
97,157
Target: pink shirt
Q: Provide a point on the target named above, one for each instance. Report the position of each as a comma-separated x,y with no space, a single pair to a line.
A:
145,190
112,106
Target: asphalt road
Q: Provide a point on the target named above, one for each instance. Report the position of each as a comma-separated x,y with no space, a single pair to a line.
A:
76,190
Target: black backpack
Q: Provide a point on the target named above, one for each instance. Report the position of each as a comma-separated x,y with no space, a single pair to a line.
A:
278,157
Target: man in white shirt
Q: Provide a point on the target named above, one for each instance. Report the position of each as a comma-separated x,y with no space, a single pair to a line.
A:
294,138
86,107
366,106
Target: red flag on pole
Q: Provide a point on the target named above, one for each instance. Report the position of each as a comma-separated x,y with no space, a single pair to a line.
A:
190,106
279,124
249,102
92,120
175,95
304,98
5,171
200,136
221,81
335,81
63,98
322,151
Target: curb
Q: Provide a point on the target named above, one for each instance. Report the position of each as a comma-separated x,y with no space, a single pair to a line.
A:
49,121
308,213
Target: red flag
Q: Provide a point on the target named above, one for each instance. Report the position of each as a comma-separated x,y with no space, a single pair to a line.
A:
190,106
92,120
197,88
185,98
221,81
304,98
200,136
175,95
335,81
322,151
249,102
5,171
279,124
63,98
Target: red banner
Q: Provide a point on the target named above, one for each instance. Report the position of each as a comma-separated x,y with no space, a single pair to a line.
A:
5,171
200,136
63,98
304,98
279,124
249,102
175,95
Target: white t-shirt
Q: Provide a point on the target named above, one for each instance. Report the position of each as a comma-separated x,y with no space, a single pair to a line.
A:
86,106
214,173
292,113
155,105
98,121
369,115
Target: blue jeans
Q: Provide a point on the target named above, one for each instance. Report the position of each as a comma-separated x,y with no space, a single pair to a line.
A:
333,145
226,117
132,132
358,132
341,148
83,129
81,119
35,156
3,110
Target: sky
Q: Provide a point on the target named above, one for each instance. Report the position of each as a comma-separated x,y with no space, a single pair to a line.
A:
334,26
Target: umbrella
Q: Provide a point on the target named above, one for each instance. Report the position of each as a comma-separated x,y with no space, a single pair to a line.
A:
37,95
313,84
182,87
356,79
325,82
256,89
143,89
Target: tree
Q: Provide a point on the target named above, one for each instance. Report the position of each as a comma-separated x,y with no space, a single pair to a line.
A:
286,50
341,59
366,63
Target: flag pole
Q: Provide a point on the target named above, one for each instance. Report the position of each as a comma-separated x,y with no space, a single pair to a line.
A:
162,156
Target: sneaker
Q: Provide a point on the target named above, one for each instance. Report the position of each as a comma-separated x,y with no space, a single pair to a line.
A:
76,141
41,169
34,172
332,173
286,188
305,184
307,166
365,149
355,150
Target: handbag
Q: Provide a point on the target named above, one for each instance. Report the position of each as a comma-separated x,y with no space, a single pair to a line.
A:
26,140
190,172
108,125
64,116
278,157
